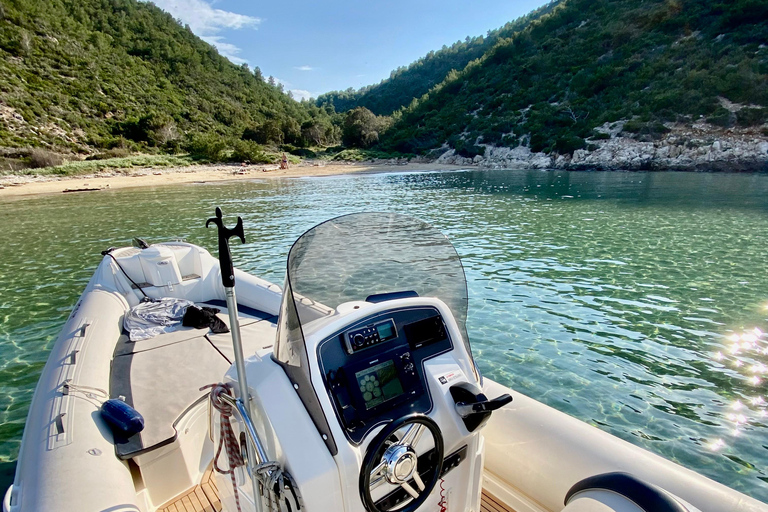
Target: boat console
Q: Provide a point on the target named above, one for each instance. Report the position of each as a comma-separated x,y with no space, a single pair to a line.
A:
374,368
372,343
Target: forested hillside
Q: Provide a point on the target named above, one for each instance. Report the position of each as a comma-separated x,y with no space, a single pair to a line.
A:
591,62
87,75
409,82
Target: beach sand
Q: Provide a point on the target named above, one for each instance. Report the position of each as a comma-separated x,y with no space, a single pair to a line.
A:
15,186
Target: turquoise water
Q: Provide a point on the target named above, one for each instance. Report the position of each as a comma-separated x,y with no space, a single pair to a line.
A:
610,296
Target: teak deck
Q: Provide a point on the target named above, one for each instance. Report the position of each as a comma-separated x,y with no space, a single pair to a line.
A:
490,503
205,498
201,498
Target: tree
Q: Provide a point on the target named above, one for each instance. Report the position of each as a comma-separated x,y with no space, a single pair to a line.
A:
269,131
361,128
291,131
319,132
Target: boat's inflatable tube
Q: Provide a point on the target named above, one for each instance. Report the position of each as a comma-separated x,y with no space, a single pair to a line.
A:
67,460
535,454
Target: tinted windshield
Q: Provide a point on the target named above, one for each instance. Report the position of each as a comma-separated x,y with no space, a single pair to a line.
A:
352,257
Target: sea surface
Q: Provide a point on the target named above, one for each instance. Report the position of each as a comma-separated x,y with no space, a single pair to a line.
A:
636,302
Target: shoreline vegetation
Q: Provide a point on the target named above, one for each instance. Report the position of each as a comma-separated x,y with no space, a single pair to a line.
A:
700,147
19,185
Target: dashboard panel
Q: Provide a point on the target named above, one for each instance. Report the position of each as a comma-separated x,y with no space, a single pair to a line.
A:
373,369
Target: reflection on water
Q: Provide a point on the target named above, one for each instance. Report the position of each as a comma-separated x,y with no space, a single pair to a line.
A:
746,354
634,301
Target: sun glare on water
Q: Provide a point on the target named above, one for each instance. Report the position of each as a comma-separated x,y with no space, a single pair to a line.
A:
745,356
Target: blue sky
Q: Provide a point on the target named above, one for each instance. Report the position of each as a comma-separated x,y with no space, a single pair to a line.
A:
316,47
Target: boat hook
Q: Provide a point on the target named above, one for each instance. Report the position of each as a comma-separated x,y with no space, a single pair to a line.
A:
270,482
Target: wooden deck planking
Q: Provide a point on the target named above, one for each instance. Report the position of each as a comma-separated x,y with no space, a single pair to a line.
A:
490,503
203,497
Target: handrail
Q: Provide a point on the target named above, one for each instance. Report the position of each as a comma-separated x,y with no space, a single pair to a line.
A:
242,412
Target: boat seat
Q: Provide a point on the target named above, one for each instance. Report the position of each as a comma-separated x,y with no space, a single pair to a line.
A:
621,492
161,377
126,346
246,315
162,384
255,336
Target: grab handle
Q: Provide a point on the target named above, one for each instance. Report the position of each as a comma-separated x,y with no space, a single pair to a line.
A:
465,410
225,257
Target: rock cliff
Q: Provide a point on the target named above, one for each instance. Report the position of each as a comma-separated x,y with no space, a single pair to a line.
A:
700,147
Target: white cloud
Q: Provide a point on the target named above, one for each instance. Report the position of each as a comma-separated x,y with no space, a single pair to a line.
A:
284,83
298,94
304,68
228,50
207,22
301,94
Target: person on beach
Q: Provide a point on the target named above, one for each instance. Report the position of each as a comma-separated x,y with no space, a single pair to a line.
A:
284,162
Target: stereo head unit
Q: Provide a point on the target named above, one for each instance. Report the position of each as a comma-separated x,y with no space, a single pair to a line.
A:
370,335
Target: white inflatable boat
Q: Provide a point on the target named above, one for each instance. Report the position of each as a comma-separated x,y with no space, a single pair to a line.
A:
362,395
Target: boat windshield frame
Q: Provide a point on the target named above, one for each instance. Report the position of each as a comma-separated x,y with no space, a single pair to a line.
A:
353,257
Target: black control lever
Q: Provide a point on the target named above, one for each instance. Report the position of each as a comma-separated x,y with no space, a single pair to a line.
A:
466,410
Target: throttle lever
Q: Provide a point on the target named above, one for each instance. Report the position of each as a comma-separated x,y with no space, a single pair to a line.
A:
466,410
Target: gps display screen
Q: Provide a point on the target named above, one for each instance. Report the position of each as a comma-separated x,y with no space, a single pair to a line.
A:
386,330
379,383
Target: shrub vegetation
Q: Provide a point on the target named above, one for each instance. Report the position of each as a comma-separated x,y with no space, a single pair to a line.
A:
85,75
587,62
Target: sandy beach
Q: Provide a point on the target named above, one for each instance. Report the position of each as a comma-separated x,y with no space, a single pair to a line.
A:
15,186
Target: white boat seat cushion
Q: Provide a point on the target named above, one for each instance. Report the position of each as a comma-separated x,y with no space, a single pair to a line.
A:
255,336
246,315
126,346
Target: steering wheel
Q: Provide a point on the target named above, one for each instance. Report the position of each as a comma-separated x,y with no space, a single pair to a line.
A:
392,460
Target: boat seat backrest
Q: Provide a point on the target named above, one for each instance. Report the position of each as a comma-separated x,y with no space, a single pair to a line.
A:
159,265
128,259
620,492
188,261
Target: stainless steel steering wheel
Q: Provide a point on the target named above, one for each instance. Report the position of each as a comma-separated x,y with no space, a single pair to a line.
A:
394,463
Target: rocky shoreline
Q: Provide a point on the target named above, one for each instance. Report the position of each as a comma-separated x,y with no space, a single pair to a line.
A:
700,147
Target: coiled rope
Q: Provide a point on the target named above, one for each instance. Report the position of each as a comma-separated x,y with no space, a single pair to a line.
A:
226,437
275,486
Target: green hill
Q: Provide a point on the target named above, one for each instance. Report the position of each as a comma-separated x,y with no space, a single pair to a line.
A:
591,62
409,82
84,75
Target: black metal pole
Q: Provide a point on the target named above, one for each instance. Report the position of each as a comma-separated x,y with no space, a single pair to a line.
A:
228,280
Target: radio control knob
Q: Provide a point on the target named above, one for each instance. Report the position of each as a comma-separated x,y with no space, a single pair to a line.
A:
358,340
